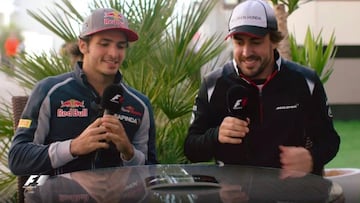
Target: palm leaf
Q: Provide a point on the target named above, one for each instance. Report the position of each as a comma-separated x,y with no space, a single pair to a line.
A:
313,54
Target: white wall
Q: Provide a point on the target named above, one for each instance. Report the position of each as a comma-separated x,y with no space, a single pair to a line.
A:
339,16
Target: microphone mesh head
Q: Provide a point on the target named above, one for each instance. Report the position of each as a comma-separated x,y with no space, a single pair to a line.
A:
237,101
112,98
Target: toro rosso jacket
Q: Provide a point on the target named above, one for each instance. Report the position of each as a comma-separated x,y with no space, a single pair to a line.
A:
59,109
289,109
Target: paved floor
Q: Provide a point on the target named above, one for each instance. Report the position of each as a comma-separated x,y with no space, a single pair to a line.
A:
8,88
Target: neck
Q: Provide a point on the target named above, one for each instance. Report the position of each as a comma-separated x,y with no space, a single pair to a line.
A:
98,81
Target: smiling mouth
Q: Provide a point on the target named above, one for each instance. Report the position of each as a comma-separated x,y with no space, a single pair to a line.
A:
112,62
250,62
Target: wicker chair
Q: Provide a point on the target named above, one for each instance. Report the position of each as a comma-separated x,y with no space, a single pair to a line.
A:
18,105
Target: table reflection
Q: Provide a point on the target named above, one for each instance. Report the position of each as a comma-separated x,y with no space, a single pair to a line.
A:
184,183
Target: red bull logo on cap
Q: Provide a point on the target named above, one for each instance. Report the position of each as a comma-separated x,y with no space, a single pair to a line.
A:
72,108
114,18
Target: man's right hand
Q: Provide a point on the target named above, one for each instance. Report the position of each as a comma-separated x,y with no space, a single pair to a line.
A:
232,130
91,139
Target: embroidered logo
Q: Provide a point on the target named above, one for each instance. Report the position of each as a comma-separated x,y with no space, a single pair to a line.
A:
72,108
131,110
132,115
24,123
295,106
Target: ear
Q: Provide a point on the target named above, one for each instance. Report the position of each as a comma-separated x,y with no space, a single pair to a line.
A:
83,46
274,45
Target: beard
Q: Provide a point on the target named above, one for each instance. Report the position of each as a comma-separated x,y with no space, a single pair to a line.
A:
255,67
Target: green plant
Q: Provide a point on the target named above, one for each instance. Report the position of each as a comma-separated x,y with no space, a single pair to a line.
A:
7,180
291,5
313,54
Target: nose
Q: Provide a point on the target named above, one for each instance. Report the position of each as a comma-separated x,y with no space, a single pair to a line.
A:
114,51
247,49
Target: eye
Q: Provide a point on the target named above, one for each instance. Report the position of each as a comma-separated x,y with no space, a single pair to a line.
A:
104,43
256,41
239,41
123,45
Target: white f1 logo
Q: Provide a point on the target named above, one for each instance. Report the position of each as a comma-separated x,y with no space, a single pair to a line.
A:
237,104
116,99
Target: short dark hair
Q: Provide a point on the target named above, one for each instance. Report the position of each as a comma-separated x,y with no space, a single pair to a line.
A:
275,36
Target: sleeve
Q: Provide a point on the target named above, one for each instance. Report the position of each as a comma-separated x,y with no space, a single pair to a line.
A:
325,140
28,153
152,158
26,157
202,138
144,140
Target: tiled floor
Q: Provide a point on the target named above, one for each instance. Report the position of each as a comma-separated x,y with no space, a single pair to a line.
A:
8,88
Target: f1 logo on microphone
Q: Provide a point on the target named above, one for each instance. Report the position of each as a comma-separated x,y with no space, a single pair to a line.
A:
118,98
240,104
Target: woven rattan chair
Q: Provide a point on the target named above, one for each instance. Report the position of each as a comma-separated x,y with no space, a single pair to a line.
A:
18,105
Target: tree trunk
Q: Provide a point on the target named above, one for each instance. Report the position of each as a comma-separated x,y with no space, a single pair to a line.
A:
284,45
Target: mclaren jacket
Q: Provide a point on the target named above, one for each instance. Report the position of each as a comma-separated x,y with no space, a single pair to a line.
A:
290,109
59,109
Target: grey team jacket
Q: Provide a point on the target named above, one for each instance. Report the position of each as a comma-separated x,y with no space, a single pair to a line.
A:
290,109
58,110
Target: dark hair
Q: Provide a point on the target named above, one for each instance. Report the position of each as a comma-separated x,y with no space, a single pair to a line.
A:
275,36
74,49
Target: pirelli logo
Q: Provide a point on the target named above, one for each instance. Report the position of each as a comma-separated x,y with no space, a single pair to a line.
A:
24,123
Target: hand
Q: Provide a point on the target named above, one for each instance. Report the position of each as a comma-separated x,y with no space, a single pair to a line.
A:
232,130
233,193
90,139
116,133
296,161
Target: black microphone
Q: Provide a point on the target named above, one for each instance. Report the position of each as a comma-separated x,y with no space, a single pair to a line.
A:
112,99
111,102
237,101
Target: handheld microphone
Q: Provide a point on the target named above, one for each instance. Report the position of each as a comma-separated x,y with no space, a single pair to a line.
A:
237,101
111,102
112,99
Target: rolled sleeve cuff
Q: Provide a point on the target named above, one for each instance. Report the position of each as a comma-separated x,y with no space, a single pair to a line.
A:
59,153
137,159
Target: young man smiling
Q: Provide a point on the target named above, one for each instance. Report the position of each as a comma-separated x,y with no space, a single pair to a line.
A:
260,109
63,127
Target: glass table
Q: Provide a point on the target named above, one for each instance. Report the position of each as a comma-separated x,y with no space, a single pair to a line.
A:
182,183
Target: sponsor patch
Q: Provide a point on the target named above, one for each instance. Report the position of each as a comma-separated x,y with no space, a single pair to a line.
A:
24,123
72,108
295,106
131,110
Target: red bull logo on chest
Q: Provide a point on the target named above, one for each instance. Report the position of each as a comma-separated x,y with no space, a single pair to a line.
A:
72,108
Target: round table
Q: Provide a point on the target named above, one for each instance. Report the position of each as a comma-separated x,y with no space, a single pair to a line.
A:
184,183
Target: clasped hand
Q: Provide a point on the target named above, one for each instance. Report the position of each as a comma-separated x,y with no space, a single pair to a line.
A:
295,161
99,134
232,130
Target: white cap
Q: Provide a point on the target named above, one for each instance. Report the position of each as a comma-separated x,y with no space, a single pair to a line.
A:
252,17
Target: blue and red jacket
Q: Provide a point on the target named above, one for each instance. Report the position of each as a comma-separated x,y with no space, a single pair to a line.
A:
59,109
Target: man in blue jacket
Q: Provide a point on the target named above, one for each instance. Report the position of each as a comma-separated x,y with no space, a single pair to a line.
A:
260,109
63,127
